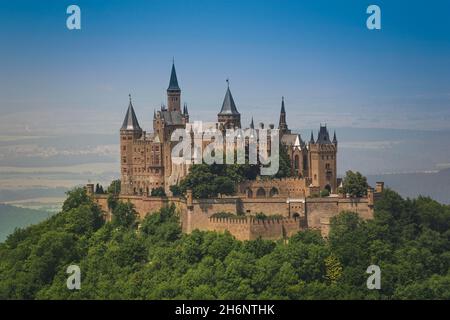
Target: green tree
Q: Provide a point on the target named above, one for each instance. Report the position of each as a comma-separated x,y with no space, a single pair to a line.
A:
333,269
124,215
114,187
158,192
355,184
75,198
285,169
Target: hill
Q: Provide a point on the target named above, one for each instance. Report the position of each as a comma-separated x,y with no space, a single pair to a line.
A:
433,184
12,217
408,239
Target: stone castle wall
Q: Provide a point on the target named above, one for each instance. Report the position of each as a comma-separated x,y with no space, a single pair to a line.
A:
293,215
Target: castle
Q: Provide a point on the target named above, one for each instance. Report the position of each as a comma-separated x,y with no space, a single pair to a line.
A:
146,163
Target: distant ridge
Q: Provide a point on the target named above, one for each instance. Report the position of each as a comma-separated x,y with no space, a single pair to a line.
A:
12,217
433,184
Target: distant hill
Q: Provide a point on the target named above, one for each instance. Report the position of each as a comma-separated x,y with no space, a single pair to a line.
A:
433,184
12,217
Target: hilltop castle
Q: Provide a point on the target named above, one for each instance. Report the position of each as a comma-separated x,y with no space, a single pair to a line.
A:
294,202
146,161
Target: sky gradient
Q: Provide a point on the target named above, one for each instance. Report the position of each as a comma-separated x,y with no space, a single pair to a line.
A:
318,54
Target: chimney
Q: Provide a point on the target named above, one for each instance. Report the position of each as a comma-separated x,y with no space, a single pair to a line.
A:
379,187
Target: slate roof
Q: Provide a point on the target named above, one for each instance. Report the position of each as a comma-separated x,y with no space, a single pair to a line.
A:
130,122
173,83
228,106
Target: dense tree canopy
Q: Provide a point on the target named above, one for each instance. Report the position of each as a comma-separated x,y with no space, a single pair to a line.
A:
208,181
354,184
408,239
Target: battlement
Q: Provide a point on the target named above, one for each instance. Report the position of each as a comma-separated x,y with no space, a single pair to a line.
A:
289,214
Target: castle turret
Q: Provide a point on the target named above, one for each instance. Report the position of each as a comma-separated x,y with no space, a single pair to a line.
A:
173,92
129,133
186,112
282,124
322,161
229,116
130,124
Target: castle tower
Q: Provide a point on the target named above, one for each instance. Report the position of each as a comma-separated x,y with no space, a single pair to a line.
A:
173,92
282,126
229,116
186,113
322,161
129,133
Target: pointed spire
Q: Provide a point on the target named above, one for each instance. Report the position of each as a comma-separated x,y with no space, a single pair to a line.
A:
323,137
185,109
154,114
228,105
252,124
173,83
312,137
130,122
334,137
282,105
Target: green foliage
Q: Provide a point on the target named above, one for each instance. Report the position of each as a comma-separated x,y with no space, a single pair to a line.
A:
324,193
124,215
176,190
114,187
408,239
284,169
333,269
99,189
75,198
226,215
355,184
207,181
158,192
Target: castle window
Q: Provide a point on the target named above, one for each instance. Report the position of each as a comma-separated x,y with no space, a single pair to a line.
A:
273,192
261,193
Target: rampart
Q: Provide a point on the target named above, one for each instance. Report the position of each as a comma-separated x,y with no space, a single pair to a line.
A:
291,214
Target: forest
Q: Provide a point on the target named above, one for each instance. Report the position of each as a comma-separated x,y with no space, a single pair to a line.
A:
409,239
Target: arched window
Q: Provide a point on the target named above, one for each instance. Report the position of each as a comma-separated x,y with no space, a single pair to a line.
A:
296,162
261,193
273,192
249,193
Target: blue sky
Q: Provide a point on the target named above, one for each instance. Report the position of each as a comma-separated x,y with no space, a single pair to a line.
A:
318,54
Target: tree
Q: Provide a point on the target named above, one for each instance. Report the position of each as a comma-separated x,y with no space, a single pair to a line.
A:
158,192
285,169
124,215
75,198
355,184
176,190
333,268
114,187
324,193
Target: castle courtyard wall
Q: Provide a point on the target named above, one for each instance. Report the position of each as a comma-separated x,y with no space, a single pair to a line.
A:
293,215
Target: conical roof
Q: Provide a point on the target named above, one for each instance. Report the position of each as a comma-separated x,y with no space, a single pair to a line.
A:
130,122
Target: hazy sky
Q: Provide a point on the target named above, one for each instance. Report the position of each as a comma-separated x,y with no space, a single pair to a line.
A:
318,54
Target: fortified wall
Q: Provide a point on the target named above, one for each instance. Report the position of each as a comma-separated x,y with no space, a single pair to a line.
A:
290,215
